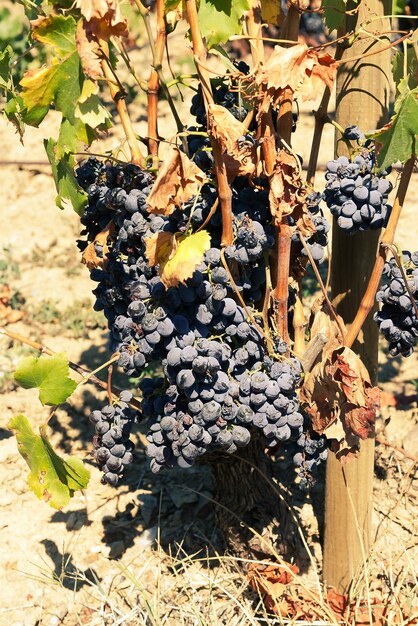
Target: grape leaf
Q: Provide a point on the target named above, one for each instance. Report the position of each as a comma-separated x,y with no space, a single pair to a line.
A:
49,374
51,478
411,67
89,109
334,13
103,18
63,172
176,255
398,7
5,60
56,31
271,12
58,83
398,138
219,19
178,180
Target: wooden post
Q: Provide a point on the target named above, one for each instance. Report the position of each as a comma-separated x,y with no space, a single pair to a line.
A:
363,92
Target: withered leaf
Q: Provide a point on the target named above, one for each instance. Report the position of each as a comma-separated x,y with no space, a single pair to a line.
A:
339,388
88,50
104,18
288,193
299,68
176,255
178,180
90,256
160,248
227,130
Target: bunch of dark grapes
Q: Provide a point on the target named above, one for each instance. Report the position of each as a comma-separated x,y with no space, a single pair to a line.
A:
355,193
113,448
220,385
318,241
397,318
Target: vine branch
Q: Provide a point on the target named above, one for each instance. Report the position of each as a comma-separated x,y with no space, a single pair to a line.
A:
119,99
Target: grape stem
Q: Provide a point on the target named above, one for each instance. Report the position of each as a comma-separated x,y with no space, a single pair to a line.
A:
388,237
322,286
118,97
85,373
224,189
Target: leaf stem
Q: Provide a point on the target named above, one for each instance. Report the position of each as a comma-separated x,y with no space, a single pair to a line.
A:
388,237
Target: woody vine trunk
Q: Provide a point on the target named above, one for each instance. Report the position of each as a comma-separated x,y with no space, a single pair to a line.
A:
363,92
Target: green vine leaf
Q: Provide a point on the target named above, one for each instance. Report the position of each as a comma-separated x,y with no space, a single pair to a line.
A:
218,20
334,13
62,164
13,107
51,478
398,139
60,82
89,109
5,60
49,374
411,66
56,31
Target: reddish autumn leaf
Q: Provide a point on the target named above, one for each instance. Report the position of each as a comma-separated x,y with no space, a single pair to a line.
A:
227,130
338,602
306,72
88,50
340,399
104,18
178,180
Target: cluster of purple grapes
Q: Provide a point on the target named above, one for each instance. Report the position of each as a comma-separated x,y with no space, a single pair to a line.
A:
113,448
220,384
397,318
217,398
354,193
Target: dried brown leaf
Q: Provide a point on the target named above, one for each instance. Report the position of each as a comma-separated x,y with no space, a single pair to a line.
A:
104,18
178,180
88,50
90,256
339,388
298,68
288,192
239,157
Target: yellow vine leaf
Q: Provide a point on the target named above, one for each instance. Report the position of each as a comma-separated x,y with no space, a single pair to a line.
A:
176,255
